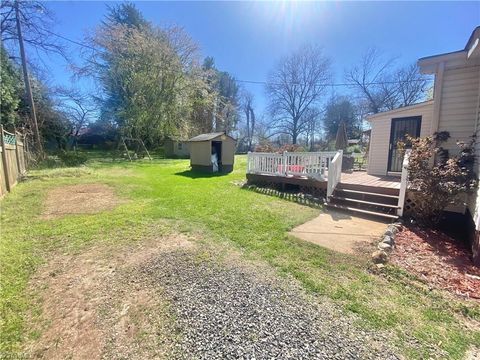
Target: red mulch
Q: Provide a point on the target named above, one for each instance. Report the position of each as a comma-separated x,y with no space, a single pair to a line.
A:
439,260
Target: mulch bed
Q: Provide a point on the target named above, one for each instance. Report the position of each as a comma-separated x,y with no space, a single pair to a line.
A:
439,260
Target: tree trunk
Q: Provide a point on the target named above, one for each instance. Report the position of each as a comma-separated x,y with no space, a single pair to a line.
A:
294,138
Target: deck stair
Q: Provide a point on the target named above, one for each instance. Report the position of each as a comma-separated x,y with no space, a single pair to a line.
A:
378,202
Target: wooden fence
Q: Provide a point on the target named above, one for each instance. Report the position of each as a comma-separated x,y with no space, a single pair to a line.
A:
13,165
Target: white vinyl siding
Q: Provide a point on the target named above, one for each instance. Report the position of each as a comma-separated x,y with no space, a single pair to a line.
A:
458,106
380,136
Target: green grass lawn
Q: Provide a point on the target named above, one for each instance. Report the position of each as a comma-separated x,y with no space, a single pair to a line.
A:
420,320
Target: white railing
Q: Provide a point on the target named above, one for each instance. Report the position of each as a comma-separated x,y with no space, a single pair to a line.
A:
334,173
265,163
308,164
403,183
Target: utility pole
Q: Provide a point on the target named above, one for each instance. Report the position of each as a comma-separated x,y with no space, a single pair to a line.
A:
28,88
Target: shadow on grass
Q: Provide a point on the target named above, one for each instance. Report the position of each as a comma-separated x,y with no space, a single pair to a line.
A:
199,175
297,197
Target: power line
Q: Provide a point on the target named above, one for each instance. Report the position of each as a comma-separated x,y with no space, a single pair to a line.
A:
72,41
337,84
258,82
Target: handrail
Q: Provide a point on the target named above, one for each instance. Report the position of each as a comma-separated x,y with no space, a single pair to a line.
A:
403,183
334,173
308,164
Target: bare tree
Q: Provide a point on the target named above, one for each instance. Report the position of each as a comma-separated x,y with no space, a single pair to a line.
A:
312,117
296,84
247,107
412,86
37,23
78,107
380,87
372,80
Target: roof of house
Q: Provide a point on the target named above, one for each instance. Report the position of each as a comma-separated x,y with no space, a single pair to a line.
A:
353,141
472,47
208,136
399,110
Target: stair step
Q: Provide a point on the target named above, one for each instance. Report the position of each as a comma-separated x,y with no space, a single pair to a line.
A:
361,211
367,193
368,188
364,202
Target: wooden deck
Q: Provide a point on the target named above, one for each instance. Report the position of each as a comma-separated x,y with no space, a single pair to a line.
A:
353,178
362,178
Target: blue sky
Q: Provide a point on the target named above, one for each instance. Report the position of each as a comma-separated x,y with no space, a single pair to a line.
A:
248,38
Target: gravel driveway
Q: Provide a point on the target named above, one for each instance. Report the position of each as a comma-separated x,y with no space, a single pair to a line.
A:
239,311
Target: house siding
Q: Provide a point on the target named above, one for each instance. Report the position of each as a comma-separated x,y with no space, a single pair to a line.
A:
380,136
458,107
474,199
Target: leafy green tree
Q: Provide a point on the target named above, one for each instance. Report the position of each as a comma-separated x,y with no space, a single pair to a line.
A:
150,76
9,89
54,125
223,102
126,14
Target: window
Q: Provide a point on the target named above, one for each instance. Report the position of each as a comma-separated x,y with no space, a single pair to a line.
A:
179,146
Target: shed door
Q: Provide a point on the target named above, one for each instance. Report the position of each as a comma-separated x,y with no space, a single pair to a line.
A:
399,130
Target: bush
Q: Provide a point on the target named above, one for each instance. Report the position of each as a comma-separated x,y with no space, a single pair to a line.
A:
72,158
49,162
267,147
270,148
354,149
439,184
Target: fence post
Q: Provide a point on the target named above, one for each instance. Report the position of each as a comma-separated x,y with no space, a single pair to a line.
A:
16,154
285,163
4,159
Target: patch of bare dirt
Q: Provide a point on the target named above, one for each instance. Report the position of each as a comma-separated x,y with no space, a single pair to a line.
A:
79,199
439,260
98,305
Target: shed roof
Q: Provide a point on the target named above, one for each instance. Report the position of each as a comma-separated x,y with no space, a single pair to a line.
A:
208,136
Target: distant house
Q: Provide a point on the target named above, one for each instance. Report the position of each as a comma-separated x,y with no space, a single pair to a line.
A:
176,148
455,108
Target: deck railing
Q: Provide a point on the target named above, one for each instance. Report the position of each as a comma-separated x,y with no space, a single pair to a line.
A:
403,183
308,164
334,173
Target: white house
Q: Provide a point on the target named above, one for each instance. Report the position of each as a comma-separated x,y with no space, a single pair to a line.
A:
455,108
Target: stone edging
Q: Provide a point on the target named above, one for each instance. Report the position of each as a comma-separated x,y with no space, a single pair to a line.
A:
387,244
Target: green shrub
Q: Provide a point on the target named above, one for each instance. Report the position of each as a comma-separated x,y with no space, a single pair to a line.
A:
439,184
354,149
72,158
49,162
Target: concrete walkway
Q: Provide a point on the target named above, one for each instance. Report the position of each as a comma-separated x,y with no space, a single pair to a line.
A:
339,231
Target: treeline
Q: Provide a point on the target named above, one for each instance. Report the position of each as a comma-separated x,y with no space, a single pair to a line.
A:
152,83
